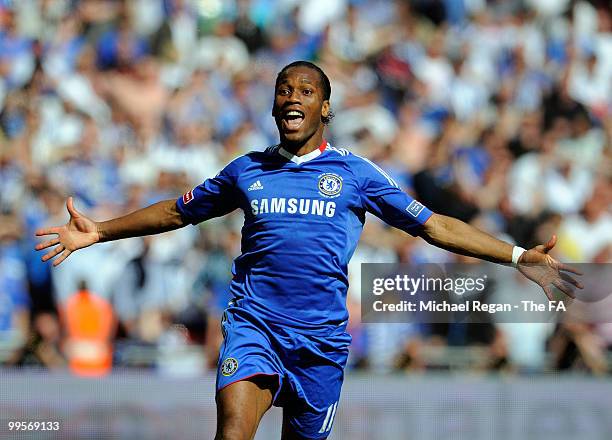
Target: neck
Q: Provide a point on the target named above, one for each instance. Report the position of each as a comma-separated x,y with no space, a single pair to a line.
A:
306,146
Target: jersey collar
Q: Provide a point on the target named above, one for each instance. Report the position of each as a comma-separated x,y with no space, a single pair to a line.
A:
306,157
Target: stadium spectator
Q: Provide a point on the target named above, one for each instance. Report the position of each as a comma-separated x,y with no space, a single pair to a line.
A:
14,302
89,324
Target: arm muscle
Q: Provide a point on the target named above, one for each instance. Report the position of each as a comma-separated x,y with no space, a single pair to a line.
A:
159,217
459,237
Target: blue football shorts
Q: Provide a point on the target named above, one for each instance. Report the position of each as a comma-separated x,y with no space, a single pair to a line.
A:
309,367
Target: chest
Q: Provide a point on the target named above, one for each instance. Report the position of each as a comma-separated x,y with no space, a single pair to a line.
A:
305,191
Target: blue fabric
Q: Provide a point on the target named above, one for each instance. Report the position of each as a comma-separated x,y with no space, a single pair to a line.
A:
12,47
302,224
13,286
309,367
108,48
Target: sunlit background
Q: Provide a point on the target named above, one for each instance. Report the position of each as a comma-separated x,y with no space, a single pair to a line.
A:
495,112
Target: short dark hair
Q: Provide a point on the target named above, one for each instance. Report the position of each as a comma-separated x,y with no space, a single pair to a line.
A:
325,83
322,76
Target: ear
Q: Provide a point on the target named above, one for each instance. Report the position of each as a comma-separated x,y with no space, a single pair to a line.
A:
325,109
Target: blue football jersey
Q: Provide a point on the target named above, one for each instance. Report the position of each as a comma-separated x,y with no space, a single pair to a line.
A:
303,216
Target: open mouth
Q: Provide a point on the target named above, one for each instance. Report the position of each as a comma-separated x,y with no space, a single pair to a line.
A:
292,120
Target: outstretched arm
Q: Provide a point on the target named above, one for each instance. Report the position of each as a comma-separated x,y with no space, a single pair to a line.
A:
382,197
81,231
154,219
456,236
459,237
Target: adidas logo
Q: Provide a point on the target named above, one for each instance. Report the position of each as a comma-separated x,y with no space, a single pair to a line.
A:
255,186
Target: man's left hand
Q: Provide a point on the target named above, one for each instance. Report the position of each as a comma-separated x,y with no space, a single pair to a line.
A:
537,265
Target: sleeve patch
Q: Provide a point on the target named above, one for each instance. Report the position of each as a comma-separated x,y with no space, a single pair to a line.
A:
188,197
414,208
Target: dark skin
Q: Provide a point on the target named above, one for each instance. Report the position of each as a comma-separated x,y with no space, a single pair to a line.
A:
241,405
300,89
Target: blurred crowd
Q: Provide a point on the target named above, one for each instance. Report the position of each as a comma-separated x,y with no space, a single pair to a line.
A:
495,112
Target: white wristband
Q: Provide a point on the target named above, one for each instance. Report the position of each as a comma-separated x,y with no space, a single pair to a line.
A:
517,251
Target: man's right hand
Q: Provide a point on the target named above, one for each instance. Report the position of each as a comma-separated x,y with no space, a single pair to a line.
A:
78,233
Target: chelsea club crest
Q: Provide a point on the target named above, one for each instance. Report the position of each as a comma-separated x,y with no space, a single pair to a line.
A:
330,185
229,366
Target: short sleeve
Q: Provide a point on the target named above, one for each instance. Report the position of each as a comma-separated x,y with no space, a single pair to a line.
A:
214,197
382,197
